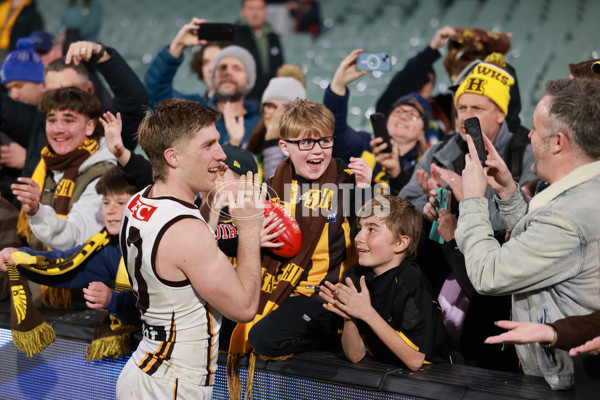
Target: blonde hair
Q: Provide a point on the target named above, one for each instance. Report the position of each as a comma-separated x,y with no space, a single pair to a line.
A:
173,123
306,117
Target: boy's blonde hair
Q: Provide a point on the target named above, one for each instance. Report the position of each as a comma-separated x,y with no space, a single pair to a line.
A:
399,215
306,117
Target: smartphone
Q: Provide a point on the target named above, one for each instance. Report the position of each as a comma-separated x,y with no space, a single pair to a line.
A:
374,62
379,124
216,32
473,129
444,199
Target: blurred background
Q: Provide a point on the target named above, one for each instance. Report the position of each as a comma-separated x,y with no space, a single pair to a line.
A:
547,35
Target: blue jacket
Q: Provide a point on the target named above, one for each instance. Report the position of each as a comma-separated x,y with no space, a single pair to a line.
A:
159,84
102,267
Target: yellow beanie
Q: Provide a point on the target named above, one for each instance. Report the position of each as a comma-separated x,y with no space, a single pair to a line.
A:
490,80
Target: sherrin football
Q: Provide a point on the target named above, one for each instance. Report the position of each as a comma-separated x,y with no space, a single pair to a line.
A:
291,237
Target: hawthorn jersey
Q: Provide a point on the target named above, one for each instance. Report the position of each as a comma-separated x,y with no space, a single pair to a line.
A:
180,330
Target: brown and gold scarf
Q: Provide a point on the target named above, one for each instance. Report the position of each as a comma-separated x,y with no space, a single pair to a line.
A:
69,163
31,334
279,276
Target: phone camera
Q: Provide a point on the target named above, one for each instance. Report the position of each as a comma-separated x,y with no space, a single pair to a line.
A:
373,62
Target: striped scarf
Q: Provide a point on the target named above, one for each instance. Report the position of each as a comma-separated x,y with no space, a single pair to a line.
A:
69,163
30,333
284,274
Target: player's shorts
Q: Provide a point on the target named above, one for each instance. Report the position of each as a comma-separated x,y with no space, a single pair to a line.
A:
133,383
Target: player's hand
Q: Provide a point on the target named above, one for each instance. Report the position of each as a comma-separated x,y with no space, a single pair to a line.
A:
247,208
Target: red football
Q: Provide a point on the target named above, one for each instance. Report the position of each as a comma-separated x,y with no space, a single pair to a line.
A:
291,237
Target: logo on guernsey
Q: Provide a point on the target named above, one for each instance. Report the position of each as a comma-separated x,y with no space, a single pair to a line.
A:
139,210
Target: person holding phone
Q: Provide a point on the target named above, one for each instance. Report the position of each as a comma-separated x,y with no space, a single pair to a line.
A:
405,124
233,76
550,265
485,94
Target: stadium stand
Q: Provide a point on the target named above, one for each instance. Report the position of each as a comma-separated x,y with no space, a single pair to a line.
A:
547,35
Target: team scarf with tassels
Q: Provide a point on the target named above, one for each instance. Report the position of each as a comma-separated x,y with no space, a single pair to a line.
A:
31,334
69,164
283,274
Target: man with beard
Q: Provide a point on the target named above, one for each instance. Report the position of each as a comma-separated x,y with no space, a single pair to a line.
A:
233,76
551,263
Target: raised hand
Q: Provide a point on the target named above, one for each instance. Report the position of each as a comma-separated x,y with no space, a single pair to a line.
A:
84,51
234,124
186,37
444,176
474,176
328,292
499,177
426,182
362,171
112,132
346,73
13,155
441,37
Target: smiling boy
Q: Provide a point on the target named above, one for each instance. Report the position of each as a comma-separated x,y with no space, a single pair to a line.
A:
395,310
61,208
310,184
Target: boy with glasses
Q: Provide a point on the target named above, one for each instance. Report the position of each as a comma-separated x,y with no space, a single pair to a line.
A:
320,193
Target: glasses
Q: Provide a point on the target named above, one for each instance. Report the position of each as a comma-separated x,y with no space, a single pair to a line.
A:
411,115
308,144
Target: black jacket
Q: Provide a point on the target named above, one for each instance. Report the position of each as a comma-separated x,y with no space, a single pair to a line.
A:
244,38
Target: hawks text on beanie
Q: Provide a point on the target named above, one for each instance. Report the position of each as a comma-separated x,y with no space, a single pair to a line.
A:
285,88
241,54
23,64
489,79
